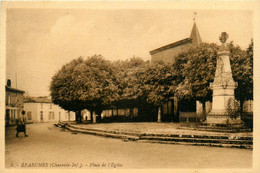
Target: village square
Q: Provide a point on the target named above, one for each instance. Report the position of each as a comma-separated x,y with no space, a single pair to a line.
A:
188,105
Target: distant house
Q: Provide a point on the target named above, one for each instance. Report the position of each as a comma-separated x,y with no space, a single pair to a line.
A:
41,109
13,103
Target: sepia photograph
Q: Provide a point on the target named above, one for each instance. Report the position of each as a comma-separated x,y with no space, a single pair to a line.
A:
129,85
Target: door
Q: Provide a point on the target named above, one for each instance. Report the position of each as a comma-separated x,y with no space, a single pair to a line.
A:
7,117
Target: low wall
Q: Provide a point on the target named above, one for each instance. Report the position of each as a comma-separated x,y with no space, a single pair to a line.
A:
189,117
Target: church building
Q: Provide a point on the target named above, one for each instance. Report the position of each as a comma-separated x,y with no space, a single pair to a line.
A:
168,52
172,110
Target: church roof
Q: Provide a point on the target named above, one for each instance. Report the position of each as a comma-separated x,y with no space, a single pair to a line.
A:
194,38
168,46
10,89
37,100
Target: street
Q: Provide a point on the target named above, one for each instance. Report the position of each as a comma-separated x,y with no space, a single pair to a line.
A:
52,147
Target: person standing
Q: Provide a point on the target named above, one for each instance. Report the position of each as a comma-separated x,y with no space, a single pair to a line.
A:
21,124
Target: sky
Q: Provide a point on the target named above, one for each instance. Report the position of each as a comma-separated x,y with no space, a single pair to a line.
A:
40,41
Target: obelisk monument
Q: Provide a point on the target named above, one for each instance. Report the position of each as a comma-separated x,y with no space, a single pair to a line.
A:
223,88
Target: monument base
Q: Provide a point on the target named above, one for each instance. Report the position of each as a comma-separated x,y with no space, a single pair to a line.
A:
222,119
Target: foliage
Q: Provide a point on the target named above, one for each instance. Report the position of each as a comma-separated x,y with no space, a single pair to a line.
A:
196,69
128,84
197,66
64,90
84,84
96,84
247,118
242,69
145,82
158,82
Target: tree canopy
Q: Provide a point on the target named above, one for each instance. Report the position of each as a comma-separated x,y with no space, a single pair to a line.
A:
196,68
242,68
85,84
97,84
128,82
158,82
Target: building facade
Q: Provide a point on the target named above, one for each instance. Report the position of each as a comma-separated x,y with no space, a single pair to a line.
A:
13,104
41,109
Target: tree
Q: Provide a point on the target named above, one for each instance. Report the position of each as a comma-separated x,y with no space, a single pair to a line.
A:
64,92
84,84
242,69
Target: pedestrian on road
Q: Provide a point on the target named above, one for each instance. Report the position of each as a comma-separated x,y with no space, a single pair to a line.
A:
21,124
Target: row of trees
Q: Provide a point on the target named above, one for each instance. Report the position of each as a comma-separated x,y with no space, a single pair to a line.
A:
96,84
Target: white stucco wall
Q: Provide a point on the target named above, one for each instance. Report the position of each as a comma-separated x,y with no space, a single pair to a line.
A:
46,108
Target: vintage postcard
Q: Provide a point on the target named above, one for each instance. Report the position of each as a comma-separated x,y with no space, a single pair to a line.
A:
129,86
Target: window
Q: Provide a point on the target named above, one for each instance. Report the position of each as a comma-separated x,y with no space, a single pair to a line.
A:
51,115
41,113
29,115
9,99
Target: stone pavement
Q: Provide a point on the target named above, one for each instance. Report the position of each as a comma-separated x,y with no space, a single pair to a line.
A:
169,133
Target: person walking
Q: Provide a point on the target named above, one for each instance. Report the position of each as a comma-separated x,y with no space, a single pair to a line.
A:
21,124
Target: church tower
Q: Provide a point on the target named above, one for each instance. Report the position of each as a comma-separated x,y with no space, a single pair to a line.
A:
195,35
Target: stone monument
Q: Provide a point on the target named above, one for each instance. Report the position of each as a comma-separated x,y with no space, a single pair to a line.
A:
223,87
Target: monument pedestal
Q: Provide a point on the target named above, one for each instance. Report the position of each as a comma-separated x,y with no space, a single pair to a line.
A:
223,102
223,119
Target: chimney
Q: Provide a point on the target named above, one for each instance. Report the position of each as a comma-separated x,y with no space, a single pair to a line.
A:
9,82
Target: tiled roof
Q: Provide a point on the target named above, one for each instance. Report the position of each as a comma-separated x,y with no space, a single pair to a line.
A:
175,44
7,88
37,100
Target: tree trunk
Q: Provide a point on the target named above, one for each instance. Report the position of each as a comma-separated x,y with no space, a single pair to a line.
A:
91,116
131,113
203,110
78,116
159,115
99,117
98,112
241,106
